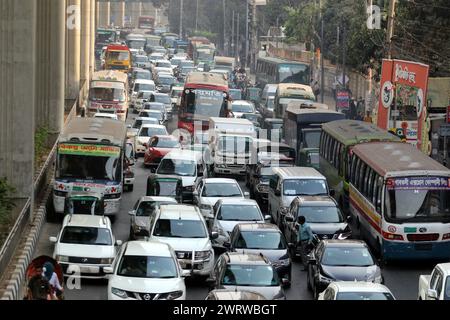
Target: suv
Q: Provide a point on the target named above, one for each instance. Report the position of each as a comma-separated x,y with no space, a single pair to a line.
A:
144,208
85,245
183,228
253,272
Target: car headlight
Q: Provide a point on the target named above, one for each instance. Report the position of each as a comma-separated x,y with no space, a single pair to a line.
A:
202,255
205,207
120,293
325,279
62,258
189,188
106,260
171,295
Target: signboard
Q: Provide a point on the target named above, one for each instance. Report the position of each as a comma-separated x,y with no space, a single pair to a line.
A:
89,150
419,183
343,99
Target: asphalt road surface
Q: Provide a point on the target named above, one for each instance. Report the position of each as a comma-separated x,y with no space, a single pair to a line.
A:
401,278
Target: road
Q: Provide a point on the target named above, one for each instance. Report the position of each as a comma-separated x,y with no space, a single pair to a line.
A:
401,278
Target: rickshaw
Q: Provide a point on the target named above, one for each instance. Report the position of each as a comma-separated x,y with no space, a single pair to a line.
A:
35,268
165,187
83,202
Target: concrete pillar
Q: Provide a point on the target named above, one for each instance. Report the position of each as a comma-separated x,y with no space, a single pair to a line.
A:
117,13
85,40
17,92
92,38
73,49
133,12
104,14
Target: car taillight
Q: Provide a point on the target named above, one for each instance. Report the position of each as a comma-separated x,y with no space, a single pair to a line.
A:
446,236
391,236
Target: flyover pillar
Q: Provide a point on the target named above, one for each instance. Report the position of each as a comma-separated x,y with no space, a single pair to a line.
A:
104,14
85,39
73,49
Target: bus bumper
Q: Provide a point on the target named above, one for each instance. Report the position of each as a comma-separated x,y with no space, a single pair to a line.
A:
394,250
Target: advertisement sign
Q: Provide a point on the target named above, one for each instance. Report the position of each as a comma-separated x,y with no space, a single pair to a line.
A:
343,99
402,103
419,183
89,150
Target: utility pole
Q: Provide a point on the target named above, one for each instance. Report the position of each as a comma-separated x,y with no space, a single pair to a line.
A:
390,27
232,36
224,28
238,42
322,70
247,22
344,55
181,18
196,17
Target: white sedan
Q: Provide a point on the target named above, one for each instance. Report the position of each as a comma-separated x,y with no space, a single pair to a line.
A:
146,270
351,290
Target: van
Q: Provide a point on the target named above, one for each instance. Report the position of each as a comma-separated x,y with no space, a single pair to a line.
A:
287,183
288,92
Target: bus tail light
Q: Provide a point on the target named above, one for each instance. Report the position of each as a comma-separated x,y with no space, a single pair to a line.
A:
391,236
446,236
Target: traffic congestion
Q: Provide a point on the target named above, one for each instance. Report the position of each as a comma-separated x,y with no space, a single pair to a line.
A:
186,176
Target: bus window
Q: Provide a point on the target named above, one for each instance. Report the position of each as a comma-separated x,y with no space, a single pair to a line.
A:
370,186
366,182
362,169
379,194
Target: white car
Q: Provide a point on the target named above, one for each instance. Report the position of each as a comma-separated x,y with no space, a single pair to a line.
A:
156,114
211,190
160,70
163,64
112,116
85,246
141,98
146,270
133,129
145,133
356,290
185,230
239,107
141,85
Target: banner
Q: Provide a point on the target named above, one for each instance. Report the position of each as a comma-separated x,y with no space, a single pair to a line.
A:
419,183
89,150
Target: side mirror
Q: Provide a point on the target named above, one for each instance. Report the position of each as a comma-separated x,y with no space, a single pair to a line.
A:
132,212
332,192
214,235
277,193
118,242
53,239
289,218
186,273
349,218
432,294
267,218
108,270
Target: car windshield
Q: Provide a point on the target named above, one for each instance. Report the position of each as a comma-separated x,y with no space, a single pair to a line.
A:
302,187
163,99
236,212
147,208
150,132
166,80
347,256
243,107
177,167
221,190
147,267
141,59
160,64
144,87
251,117
154,106
179,228
317,214
107,94
270,103
263,240
250,275
364,296
143,75
414,199
86,235
166,143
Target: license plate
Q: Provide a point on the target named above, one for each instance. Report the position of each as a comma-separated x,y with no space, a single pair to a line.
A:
89,269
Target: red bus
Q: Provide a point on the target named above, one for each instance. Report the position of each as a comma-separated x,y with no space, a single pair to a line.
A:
146,22
205,95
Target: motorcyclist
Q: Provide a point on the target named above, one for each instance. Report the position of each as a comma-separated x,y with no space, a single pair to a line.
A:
305,239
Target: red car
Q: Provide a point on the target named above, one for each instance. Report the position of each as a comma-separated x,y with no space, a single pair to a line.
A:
158,147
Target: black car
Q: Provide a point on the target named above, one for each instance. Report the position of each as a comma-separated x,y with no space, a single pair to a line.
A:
341,260
267,239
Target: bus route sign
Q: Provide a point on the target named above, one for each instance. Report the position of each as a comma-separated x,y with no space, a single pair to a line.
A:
89,150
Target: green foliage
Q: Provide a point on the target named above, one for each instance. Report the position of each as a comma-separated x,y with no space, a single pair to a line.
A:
40,144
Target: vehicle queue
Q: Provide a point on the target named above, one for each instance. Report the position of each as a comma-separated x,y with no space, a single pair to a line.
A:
195,220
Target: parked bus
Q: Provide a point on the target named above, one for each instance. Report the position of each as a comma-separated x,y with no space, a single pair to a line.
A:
302,128
274,70
400,198
290,93
90,158
336,143
146,22
109,93
205,95
118,57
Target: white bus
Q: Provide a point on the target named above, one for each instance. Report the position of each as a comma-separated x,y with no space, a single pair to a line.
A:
400,199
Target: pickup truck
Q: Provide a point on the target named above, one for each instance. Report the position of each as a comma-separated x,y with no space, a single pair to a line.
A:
437,285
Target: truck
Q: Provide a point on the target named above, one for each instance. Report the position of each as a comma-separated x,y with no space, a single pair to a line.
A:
117,57
435,286
90,157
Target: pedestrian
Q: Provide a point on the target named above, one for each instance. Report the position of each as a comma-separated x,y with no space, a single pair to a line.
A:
316,88
305,239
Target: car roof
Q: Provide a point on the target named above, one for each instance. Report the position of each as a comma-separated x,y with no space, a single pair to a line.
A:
144,81
82,220
154,199
344,243
220,180
298,172
239,201
183,154
150,125
246,258
360,286
179,211
257,227
147,248
313,201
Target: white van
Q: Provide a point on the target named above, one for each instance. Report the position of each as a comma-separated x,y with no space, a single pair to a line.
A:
287,183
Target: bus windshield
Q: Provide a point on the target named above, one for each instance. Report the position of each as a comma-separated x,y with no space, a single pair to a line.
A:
206,103
136,44
107,94
417,199
293,73
311,138
118,55
83,167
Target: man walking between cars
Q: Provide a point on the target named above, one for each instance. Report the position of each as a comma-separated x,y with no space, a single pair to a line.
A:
305,239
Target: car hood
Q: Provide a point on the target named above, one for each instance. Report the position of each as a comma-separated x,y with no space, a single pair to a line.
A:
351,273
272,255
147,285
268,292
187,181
228,226
186,244
85,251
327,228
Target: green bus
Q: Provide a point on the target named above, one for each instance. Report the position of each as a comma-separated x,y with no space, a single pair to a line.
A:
336,143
